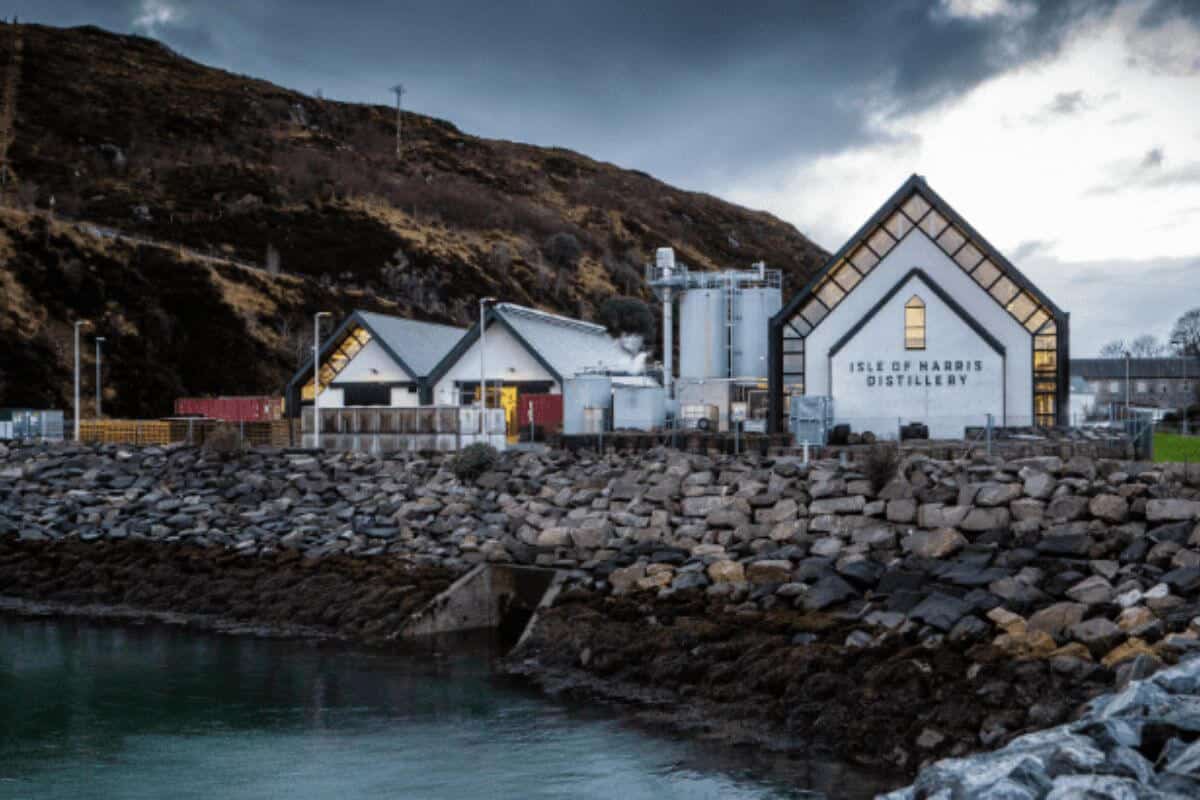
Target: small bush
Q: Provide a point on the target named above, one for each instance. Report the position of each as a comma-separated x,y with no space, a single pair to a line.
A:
473,461
881,465
223,439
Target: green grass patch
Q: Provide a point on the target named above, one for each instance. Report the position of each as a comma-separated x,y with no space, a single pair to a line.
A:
1173,447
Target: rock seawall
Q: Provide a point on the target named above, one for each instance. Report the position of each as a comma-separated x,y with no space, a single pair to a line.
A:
933,613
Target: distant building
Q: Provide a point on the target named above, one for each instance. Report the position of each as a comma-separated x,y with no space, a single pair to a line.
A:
918,319
1162,383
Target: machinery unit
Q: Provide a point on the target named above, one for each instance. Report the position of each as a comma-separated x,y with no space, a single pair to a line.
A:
699,417
723,318
810,419
640,408
580,393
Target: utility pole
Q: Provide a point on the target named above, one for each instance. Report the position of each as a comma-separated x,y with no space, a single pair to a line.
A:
399,91
1127,354
78,325
483,301
99,339
317,377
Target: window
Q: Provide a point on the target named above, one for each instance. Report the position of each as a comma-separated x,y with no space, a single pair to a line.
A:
1114,386
1141,387
914,324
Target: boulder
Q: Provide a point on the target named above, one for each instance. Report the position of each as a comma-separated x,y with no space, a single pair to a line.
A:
624,579
726,572
902,509
939,543
997,494
1067,507
1055,619
940,611
1098,635
1091,591
1172,510
769,571
828,591
837,505
1109,507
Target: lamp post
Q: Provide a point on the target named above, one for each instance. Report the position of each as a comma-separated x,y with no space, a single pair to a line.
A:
1180,345
483,301
317,377
1127,354
78,324
99,339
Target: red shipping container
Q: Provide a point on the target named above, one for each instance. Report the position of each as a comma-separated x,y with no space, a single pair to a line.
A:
547,410
258,408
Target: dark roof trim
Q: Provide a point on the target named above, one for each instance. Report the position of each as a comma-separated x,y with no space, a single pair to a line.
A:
942,294
334,340
914,182
471,336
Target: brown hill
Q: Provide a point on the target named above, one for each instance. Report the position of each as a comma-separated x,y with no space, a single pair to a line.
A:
139,182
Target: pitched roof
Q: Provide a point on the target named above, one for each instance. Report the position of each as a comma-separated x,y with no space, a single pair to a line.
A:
568,346
1139,368
899,216
421,344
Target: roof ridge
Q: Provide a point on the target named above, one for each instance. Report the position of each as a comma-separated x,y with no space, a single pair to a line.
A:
551,317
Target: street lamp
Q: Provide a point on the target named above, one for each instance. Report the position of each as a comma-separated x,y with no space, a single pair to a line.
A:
99,339
78,324
317,377
1127,354
1180,345
483,301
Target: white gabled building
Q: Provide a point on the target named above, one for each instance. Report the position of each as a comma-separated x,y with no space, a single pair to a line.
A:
529,351
374,360
919,319
379,360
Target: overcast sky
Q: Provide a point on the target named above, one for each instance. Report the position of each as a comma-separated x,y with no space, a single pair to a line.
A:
1067,132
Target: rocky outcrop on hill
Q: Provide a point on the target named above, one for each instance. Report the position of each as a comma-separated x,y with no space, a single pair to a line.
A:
931,613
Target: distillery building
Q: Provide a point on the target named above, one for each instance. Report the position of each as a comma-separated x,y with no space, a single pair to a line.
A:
918,319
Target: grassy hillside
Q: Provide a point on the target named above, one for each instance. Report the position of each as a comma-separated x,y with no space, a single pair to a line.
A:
309,195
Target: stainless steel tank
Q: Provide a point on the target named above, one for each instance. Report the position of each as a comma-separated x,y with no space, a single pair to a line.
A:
584,391
753,309
640,408
703,339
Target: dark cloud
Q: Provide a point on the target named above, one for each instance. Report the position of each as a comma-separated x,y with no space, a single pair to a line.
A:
1067,103
1029,249
694,92
1153,158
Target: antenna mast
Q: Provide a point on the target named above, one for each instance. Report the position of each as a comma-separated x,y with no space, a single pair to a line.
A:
399,90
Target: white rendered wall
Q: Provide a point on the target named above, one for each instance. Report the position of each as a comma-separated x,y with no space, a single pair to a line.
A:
955,382
372,364
332,397
403,398
507,360
917,251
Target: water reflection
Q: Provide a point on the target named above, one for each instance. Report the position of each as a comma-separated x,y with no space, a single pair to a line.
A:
100,711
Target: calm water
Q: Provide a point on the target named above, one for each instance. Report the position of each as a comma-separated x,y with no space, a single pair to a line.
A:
92,711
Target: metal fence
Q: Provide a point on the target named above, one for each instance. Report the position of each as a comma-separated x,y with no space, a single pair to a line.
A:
372,429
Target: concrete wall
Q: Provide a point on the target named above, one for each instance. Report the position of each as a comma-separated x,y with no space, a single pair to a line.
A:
887,342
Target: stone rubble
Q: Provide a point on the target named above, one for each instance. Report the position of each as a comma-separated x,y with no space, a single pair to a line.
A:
1087,565
1139,742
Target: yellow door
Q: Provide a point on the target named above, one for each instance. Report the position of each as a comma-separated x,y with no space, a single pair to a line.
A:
508,401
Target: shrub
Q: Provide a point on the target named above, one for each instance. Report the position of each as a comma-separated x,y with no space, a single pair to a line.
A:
627,315
563,250
224,438
881,465
473,460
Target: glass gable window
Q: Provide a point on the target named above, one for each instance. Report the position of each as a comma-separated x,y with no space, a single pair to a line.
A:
354,341
914,324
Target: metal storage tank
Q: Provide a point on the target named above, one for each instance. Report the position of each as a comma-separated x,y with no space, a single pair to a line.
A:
641,408
753,309
580,392
703,340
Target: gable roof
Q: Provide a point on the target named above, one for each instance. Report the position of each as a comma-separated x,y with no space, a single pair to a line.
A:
422,343
934,218
564,347
1139,368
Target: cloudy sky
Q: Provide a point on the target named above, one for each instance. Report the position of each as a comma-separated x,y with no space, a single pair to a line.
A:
1067,132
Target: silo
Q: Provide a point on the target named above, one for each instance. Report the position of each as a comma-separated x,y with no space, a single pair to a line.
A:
753,309
580,392
703,338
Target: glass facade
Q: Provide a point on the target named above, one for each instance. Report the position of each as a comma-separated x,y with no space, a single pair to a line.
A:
353,341
916,213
